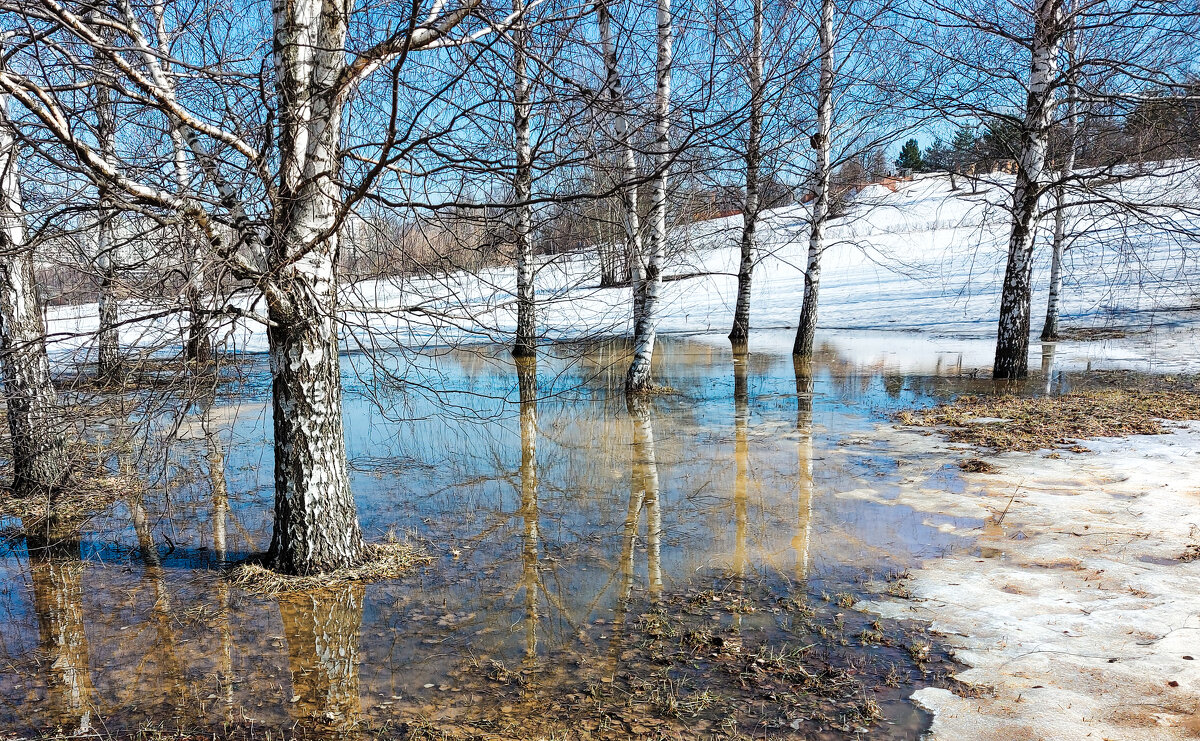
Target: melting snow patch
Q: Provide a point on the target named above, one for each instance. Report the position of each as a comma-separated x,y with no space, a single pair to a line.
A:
1082,620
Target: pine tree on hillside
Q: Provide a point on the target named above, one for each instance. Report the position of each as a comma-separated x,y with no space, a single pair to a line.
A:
964,143
938,156
910,157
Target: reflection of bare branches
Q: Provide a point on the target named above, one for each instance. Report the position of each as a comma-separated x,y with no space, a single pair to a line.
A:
56,571
322,631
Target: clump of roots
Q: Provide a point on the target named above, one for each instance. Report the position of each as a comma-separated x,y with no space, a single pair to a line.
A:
380,561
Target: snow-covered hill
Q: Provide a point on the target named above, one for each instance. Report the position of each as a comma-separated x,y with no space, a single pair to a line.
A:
925,259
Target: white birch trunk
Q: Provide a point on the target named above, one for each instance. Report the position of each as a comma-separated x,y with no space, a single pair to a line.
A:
739,335
628,169
1050,327
34,419
822,144
648,278
108,344
197,338
316,524
1012,337
525,344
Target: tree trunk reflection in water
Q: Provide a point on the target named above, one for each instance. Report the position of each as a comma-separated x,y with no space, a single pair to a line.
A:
322,631
804,450
643,494
1048,366
56,572
220,516
741,454
173,680
645,479
527,386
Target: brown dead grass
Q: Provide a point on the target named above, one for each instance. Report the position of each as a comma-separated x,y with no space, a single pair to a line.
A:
1059,421
79,499
387,560
976,465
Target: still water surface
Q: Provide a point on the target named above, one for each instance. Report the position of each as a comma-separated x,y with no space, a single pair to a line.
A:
556,517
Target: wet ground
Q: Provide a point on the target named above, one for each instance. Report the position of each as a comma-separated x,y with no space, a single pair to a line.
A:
679,566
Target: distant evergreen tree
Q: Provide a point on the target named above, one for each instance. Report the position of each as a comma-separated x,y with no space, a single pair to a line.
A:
1001,141
938,156
961,156
963,145
910,157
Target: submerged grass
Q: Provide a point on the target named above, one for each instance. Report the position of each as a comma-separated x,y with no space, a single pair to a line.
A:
1005,423
82,497
381,561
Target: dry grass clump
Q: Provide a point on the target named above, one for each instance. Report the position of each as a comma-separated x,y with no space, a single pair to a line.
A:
380,561
976,465
1025,424
1092,334
82,497
1191,553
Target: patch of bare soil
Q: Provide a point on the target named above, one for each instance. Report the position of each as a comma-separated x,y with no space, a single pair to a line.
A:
1006,422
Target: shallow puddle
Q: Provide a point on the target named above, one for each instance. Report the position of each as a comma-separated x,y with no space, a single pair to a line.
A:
598,569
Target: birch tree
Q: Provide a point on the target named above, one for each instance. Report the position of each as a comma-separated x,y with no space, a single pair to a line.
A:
1059,245
822,145
108,343
289,248
38,449
1012,338
648,268
525,343
628,167
739,335
1013,65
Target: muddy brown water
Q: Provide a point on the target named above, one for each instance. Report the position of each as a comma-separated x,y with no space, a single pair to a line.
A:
679,567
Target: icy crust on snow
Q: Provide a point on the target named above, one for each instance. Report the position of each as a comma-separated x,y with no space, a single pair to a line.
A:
925,259
1074,606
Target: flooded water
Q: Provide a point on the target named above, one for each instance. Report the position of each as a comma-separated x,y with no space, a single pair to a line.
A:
596,569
